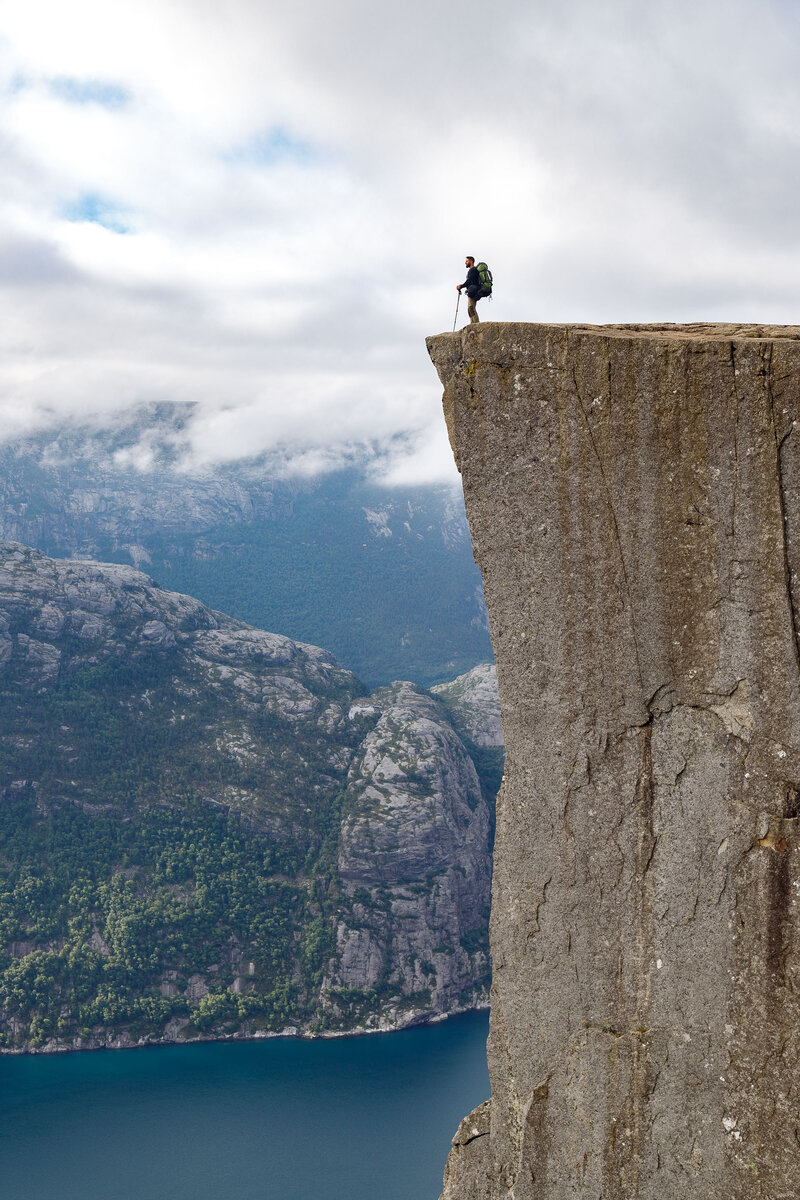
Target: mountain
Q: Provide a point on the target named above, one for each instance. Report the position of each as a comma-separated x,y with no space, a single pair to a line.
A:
207,829
383,577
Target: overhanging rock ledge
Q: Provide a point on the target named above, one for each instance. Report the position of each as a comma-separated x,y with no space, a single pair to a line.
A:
634,499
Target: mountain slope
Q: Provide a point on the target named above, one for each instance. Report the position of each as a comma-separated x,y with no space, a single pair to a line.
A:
383,577
186,804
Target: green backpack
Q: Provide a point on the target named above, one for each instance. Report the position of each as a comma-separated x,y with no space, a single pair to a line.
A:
486,278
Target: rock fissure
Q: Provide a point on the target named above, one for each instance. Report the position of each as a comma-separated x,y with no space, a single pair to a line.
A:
735,443
779,445
614,522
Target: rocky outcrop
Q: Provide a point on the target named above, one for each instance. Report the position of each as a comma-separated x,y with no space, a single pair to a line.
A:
474,705
412,864
214,678
634,499
468,1173
206,828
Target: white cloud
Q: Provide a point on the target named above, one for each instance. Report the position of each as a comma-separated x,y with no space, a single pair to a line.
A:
299,186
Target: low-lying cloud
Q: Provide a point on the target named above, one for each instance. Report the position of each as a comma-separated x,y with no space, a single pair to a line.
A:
264,210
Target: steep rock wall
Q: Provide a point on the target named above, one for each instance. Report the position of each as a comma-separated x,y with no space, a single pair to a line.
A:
634,499
413,864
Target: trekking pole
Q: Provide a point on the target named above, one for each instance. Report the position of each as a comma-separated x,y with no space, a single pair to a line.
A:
455,318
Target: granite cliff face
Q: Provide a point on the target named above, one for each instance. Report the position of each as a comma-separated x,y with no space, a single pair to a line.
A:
412,862
634,499
206,828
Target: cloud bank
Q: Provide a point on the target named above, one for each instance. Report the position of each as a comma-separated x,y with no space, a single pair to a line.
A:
264,210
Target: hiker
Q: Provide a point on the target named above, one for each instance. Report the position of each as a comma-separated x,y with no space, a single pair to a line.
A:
474,288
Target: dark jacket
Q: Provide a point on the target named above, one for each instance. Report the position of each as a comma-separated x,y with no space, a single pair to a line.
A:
472,284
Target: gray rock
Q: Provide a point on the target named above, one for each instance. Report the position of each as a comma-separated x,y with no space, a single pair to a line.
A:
468,1172
474,704
634,499
413,811
41,659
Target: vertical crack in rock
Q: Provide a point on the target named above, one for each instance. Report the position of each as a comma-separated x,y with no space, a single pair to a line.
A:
735,490
610,502
642,1082
780,899
780,442
634,499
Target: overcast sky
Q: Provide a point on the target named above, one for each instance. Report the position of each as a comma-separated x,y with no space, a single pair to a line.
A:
266,208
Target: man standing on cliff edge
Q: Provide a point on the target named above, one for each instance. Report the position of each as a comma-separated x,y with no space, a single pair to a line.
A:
474,288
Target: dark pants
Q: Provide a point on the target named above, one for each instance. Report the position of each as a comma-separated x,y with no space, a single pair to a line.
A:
473,296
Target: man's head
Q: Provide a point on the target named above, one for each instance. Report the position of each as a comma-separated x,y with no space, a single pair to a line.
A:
469,261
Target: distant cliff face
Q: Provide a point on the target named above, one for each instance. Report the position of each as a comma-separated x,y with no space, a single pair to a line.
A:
207,829
475,705
382,577
413,866
634,500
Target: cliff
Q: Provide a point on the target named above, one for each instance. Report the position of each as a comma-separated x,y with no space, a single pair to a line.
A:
413,862
634,499
207,829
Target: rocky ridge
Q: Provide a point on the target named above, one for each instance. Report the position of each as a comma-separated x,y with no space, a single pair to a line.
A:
207,829
412,858
86,491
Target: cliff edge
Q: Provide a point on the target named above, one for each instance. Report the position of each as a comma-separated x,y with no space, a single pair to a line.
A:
634,499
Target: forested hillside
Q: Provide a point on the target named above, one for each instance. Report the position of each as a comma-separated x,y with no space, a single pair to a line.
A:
207,829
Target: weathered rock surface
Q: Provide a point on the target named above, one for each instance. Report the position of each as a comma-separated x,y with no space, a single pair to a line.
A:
118,699
634,499
412,862
468,1173
474,704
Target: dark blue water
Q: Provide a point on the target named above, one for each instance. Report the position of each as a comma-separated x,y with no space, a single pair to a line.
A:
365,1118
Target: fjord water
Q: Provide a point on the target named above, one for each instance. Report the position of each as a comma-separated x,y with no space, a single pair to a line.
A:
285,1119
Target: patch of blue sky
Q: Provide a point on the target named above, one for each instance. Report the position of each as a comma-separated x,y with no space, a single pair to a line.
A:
96,210
16,84
274,146
89,91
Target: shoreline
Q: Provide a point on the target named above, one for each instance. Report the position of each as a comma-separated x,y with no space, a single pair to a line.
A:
415,1021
